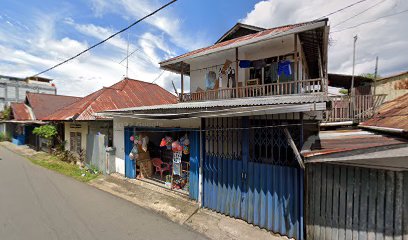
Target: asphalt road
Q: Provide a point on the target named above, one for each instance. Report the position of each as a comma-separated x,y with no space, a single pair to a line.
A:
36,203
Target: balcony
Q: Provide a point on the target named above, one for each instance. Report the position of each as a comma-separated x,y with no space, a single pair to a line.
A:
346,109
308,86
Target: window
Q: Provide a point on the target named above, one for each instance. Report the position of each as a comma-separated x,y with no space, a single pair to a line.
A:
75,142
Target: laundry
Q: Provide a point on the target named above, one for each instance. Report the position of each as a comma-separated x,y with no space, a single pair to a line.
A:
258,64
284,67
210,78
245,64
225,66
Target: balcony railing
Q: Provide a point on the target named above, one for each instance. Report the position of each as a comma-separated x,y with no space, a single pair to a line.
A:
282,88
343,109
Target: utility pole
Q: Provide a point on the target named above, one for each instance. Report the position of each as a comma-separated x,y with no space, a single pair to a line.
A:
375,74
375,86
352,92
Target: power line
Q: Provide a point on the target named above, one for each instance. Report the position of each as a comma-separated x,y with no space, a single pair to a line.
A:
363,23
341,9
157,78
106,39
358,13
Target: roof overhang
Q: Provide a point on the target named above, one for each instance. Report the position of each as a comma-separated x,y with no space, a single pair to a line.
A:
221,112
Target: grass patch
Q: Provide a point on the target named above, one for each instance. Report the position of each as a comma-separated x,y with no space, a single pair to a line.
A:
53,163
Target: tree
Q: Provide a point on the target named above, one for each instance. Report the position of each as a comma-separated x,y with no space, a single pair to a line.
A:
46,131
369,75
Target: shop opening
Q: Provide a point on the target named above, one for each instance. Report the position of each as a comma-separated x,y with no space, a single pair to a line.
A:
165,157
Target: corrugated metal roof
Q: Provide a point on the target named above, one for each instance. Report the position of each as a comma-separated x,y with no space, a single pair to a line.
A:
340,141
268,33
43,104
21,112
124,94
392,114
236,102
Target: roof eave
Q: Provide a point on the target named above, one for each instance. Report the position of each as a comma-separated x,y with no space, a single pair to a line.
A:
247,42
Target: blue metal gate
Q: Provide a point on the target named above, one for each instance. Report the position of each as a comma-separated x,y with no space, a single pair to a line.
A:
252,175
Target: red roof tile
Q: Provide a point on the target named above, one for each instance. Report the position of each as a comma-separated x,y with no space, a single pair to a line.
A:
43,104
392,114
270,31
124,94
21,112
338,141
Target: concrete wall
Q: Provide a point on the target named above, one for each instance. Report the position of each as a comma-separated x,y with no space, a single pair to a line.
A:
119,125
272,48
394,87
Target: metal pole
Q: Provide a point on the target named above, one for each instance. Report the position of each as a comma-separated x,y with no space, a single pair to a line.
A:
375,85
127,57
352,92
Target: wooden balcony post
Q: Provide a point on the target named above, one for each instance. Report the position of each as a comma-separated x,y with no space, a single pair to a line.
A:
182,82
236,72
295,74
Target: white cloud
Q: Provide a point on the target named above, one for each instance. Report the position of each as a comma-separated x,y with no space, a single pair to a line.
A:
385,38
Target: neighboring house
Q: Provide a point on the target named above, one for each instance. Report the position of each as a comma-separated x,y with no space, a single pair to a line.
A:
357,180
392,117
13,89
254,96
362,85
357,185
393,86
345,109
81,125
25,116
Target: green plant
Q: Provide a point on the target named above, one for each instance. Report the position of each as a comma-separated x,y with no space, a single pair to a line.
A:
6,114
343,91
46,131
5,137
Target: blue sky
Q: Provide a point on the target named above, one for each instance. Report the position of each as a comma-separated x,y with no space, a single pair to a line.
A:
37,34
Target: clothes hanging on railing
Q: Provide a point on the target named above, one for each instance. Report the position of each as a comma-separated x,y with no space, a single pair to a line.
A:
284,67
258,64
210,78
245,63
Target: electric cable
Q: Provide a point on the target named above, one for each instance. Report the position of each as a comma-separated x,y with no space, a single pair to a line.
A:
106,39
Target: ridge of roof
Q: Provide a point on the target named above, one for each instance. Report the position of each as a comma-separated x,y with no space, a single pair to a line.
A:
246,37
235,28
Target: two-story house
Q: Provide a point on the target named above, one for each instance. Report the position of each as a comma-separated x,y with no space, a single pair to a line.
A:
254,97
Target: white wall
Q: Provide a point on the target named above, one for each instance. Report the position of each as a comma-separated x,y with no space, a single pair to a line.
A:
119,125
272,48
81,127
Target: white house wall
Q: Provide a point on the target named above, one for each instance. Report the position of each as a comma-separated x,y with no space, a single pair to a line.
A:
119,125
272,48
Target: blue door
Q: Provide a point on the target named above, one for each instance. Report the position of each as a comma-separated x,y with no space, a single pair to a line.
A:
130,167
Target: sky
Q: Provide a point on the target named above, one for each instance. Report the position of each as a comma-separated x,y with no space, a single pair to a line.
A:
35,35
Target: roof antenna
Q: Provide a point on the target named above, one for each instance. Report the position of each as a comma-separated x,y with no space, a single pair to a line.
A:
175,89
127,57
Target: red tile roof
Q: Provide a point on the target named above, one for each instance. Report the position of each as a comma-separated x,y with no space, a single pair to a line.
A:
21,112
124,94
392,114
270,31
338,141
43,104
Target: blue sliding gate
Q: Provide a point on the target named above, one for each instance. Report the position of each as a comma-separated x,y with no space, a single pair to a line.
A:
252,175
130,166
